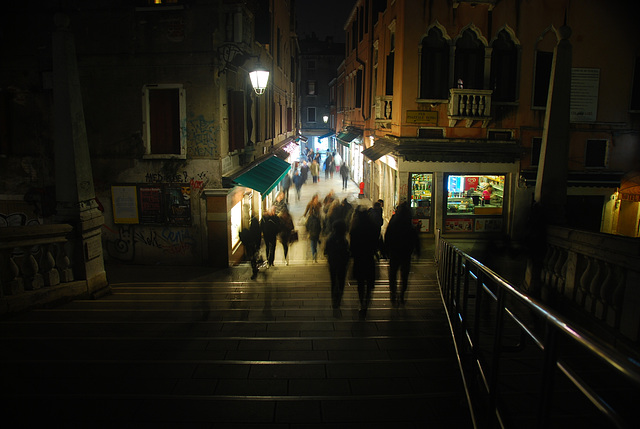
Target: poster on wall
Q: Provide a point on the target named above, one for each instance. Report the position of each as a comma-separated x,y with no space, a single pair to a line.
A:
488,225
458,225
125,204
421,225
585,83
150,205
177,200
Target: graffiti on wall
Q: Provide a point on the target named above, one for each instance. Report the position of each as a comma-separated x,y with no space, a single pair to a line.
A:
122,243
203,135
197,182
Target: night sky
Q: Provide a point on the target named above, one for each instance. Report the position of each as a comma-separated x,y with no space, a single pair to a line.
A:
325,18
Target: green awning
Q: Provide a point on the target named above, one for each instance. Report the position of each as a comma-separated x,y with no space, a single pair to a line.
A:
347,136
379,149
329,134
264,176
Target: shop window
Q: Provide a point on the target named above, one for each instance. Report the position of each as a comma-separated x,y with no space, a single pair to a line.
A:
469,61
542,77
504,68
434,66
421,198
474,203
163,112
595,154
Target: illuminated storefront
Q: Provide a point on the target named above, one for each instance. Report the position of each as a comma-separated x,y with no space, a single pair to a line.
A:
474,203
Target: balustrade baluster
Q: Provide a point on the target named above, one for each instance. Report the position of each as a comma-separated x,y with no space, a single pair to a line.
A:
48,265
30,270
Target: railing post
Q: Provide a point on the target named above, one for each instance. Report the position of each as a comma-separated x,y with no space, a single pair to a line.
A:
548,376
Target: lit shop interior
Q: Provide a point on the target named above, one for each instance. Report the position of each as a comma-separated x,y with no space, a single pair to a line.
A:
473,204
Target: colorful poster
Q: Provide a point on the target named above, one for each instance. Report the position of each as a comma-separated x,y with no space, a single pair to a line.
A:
489,225
458,225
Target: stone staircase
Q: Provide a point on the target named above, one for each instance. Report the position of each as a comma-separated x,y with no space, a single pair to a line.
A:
184,347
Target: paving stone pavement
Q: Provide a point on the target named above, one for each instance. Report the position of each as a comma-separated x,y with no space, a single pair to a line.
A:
187,347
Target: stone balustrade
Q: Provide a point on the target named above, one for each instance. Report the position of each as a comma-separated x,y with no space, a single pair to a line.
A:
32,258
469,105
597,273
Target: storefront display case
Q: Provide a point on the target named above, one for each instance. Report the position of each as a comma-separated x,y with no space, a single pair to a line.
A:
474,203
421,199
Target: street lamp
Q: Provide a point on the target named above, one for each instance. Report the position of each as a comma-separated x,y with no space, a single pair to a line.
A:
259,78
325,119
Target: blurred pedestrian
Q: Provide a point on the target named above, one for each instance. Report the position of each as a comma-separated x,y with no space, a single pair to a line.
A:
344,173
270,226
401,241
280,203
314,224
363,245
337,251
304,171
286,230
252,240
297,183
286,185
375,213
315,171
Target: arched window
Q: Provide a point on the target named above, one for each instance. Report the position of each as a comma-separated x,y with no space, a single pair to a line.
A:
504,67
434,66
469,65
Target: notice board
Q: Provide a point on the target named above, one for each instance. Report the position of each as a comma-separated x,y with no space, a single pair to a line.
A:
156,204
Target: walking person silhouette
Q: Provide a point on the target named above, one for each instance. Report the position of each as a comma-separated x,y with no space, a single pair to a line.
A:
337,251
364,244
400,242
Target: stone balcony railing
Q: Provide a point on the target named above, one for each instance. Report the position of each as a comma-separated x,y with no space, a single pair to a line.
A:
597,274
33,260
469,105
384,111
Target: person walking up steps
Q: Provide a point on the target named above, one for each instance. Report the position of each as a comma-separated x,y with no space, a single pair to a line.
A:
337,251
314,224
400,242
270,226
364,244
286,228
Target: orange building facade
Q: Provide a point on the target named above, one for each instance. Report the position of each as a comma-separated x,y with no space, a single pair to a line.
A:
443,104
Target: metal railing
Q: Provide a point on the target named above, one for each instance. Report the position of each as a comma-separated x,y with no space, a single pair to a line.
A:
525,366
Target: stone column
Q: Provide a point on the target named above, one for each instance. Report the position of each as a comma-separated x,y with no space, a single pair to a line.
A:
551,183
75,194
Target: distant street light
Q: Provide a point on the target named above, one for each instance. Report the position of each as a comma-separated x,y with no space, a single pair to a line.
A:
325,119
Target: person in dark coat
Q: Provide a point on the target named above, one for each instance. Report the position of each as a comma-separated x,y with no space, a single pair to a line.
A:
286,185
270,226
314,224
297,183
344,173
304,171
375,213
363,246
252,240
401,241
337,252
287,227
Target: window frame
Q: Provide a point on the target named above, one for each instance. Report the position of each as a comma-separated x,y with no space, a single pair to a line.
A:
605,158
146,122
309,110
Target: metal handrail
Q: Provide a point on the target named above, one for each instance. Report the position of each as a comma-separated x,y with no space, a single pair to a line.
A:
550,334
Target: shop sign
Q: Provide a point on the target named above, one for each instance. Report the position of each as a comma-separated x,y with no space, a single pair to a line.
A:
422,117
